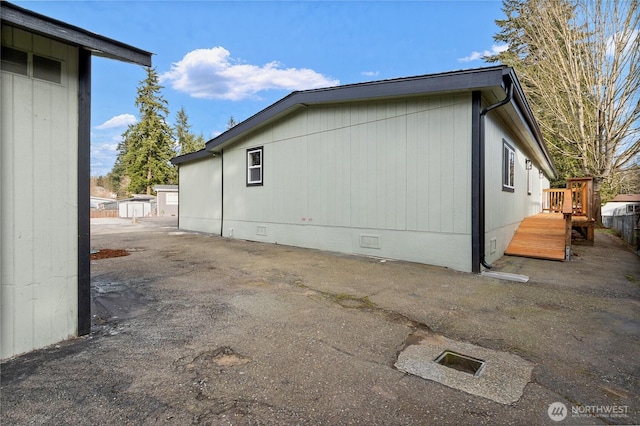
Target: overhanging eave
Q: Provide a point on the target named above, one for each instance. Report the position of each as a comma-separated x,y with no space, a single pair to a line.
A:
70,34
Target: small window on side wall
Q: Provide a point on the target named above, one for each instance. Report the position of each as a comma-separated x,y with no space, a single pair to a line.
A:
254,166
508,167
47,69
15,61
39,67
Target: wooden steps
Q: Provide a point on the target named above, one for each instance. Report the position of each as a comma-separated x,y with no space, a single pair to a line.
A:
541,236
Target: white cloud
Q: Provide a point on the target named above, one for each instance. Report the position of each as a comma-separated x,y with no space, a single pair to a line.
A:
121,120
476,56
103,155
370,73
213,74
105,150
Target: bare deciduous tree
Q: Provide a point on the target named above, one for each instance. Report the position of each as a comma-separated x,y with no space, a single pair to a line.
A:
580,64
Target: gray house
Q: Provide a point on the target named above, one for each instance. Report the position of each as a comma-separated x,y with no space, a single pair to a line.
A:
167,200
438,169
45,116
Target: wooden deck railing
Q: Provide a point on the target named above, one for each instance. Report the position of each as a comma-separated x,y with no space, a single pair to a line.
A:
579,191
582,196
575,202
563,200
553,200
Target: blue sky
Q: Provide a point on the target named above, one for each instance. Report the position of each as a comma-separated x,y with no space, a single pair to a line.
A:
219,59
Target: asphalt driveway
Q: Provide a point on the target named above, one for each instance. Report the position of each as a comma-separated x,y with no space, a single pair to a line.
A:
196,329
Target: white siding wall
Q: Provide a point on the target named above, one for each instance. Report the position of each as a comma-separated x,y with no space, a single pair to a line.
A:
505,210
38,201
394,174
200,195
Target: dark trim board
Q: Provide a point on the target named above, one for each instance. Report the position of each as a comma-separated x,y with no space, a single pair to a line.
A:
476,182
84,192
192,156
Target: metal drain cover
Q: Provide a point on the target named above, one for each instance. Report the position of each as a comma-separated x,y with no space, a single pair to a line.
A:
498,376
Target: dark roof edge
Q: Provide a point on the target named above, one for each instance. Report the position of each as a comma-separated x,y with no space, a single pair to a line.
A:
192,156
405,86
471,79
522,104
53,28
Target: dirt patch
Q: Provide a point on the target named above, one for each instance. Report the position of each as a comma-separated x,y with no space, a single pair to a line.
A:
108,253
222,357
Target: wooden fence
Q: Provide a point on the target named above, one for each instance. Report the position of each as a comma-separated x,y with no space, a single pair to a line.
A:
103,213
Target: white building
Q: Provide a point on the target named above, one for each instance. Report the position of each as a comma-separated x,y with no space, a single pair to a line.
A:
623,204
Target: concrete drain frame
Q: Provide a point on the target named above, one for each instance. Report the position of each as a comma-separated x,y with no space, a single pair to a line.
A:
498,376
464,363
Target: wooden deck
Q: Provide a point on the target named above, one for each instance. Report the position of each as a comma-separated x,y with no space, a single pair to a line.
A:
541,236
547,235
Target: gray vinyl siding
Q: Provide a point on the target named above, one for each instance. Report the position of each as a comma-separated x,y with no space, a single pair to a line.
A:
164,206
200,207
397,172
39,226
507,209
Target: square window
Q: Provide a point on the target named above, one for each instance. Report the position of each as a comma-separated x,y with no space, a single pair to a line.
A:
254,166
14,61
47,69
508,167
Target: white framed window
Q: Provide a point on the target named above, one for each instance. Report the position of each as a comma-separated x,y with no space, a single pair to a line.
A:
172,198
254,166
508,167
529,166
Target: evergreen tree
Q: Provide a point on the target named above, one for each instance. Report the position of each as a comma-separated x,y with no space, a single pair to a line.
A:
231,123
147,145
187,141
117,177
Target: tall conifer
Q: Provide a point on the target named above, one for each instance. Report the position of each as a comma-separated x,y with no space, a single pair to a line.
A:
148,145
187,141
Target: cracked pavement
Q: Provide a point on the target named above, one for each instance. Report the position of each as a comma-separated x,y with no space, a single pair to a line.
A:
197,329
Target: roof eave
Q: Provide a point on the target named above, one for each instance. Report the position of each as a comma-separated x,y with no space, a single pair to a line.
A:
524,112
489,80
192,156
464,80
98,45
